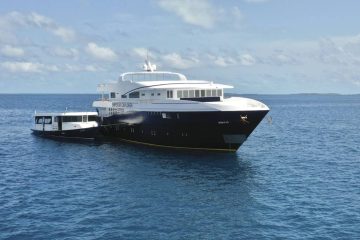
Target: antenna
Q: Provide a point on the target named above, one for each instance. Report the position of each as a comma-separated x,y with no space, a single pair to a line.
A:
148,66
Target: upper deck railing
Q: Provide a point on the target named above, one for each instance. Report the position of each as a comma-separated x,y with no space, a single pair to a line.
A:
151,76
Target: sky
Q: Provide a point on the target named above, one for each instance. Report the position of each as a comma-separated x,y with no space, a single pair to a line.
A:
258,46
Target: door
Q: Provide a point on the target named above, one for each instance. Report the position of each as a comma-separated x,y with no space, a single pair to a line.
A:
59,123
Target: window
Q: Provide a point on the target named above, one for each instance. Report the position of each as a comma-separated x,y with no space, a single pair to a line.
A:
219,92
134,95
213,92
85,118
143,94
202,93
179,94
45,120
169,94
48,120
197,93
123,96
72,118
166,115
191,93
92,118
186,93
152,94
112,95
158,94
38,120
208,93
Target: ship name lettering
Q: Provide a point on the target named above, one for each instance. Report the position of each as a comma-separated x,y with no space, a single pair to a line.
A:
122,104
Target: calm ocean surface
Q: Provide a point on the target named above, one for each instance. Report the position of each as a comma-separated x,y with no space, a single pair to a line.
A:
297,178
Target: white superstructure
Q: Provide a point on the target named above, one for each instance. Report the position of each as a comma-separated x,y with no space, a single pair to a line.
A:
64,121
167,91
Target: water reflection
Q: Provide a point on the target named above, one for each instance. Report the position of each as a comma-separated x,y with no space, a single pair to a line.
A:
200,166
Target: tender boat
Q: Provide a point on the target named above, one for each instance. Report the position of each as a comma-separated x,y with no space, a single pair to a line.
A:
165,109
73,125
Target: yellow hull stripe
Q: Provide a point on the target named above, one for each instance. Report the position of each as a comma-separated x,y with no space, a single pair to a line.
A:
165,146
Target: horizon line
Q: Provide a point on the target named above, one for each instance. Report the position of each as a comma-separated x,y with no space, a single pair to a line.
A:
301,93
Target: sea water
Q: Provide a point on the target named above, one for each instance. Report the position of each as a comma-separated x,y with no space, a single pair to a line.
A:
296,177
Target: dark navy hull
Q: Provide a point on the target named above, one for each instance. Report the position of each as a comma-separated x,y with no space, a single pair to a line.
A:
84,133
224,131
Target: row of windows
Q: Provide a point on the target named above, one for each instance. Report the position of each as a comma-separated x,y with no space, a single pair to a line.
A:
85,118
113,111
41,120
180,94
152,132
48,119
199,93
72,119
137,94
165,115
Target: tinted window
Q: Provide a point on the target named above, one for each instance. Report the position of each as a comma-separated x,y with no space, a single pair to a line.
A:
72,118
112,95
197,93
38,120
213,92
179,94
92,118
48,120
191,93
134,95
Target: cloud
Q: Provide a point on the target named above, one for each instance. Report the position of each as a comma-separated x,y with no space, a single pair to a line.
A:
256,1
200,12
14,19
224,61
101,53
344,51
231,60
92,68
65,52
143,53
10,51
33,67
247,60
65,33
236,12
86,68
28,67
175,60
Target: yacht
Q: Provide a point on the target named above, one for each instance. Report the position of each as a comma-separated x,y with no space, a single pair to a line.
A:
74,125
166,109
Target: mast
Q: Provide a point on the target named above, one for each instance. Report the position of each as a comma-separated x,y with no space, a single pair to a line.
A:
148,66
